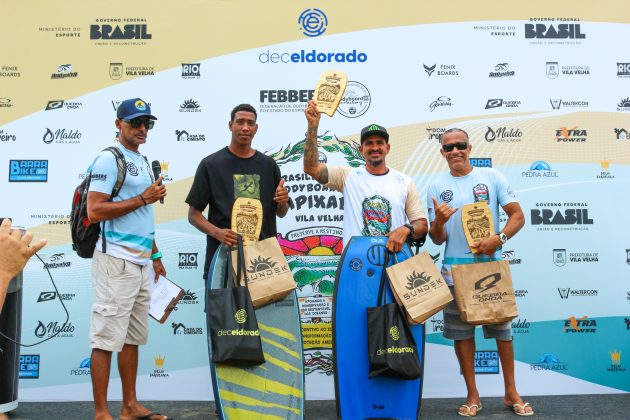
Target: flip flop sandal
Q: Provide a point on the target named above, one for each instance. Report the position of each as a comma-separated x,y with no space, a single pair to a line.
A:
468,408
515,409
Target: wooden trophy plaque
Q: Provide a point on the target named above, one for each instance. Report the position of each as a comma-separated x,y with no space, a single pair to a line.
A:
477,222
247,218
329,91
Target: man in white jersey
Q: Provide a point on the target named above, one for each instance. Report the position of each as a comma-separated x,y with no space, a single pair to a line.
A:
465,184
378,201
120,275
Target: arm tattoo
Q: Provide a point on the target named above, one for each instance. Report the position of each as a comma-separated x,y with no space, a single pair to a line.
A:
310,149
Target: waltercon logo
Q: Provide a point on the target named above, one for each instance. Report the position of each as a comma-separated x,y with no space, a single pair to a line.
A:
312,22
570,135
312,56
579,325
558,103
28,171
29,366
539,169
566,292
418,284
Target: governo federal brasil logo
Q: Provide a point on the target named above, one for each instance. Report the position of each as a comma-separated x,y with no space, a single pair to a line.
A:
313,22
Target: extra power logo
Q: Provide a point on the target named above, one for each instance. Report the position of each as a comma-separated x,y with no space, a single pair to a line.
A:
615,362
313,22
570,135
549,361
29,366
420,284
262,268
158,371
581,325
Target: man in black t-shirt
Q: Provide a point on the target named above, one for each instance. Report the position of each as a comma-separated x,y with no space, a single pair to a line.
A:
235,171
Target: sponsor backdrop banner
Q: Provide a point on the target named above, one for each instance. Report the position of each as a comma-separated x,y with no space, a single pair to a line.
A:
543,90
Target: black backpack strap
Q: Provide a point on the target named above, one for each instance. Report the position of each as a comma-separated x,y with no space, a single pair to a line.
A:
121,165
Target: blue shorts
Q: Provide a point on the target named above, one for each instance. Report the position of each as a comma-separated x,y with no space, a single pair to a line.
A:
455,328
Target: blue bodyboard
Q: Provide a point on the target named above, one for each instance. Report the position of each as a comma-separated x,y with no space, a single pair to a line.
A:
356,288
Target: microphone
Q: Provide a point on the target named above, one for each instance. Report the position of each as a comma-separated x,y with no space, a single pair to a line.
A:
157,169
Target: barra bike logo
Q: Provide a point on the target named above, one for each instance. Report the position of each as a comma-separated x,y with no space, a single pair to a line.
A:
6,136
566,292
624,104
158,371
549,361
623,70
181,329
487,361
124,31
504,134
481,162
83,369
312,56
190,105
28,171
356,100
5,103
579,325
64,71
313,22
615,362
440,102
560,257
191,70
188,260
61,136
570,135
501,70
448,70
52,328
540,169
29,366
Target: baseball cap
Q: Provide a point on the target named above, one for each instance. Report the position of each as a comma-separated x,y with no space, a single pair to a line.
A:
133,108
374,130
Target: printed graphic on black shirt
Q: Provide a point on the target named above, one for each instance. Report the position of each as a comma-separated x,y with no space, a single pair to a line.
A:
247,186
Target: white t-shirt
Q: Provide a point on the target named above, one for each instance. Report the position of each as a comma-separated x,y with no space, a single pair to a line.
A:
374,205
482,184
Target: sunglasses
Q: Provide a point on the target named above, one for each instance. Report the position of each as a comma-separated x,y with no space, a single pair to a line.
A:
137,122
459,146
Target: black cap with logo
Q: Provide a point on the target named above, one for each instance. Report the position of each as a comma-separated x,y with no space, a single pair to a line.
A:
374,130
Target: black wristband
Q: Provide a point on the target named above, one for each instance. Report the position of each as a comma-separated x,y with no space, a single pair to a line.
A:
142,198
411,229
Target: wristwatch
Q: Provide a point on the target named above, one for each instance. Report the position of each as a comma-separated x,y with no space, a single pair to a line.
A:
503,237
411,229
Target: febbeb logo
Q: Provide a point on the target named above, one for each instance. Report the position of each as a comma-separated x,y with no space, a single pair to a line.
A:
28,171
481,162
570,135
579,325
562,31
191,70
188,260
418,284
501,70
293,100
29,366
549,361
356,100
313,22
487,362
540,169
623,69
